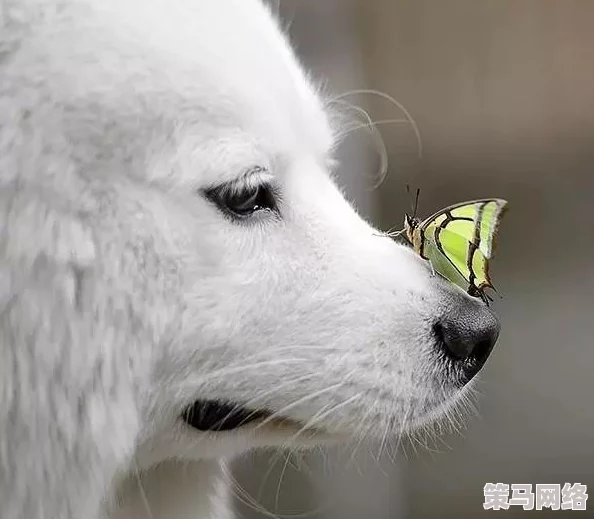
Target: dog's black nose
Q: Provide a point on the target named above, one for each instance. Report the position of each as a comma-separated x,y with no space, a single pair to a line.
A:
467,334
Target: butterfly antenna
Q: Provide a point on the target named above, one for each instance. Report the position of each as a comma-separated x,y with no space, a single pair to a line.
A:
408,195
414,206
416,203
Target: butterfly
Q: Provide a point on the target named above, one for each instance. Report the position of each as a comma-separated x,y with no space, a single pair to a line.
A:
458,241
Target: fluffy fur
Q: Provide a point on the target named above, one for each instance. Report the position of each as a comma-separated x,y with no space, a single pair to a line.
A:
126,295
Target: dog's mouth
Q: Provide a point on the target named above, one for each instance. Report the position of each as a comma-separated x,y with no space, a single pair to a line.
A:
208,415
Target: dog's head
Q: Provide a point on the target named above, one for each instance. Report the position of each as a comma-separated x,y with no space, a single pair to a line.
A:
262,308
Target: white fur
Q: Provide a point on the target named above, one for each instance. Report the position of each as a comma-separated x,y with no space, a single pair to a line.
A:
125,295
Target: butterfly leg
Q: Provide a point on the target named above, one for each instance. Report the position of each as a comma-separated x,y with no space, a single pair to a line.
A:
480,293
390,233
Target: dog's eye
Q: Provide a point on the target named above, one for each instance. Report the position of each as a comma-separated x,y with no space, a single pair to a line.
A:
243,201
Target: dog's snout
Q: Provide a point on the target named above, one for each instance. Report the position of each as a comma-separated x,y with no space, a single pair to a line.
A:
467,334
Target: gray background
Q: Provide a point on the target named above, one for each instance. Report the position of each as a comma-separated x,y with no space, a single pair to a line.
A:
503,94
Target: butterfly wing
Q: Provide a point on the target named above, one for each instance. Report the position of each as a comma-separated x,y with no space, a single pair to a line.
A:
477,221
489,214
460,240
465,256
446,264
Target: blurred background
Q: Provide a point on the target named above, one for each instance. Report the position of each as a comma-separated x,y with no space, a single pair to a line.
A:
502,92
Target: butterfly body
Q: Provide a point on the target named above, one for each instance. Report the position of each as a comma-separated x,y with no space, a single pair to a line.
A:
458,241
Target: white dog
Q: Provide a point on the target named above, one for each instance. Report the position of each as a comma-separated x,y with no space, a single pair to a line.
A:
180,279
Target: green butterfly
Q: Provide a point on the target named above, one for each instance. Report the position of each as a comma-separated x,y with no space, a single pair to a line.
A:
458,241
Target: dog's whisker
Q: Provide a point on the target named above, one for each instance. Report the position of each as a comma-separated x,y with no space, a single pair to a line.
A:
405,426
389,98
235,370
383,440
272,461
280,480
324,413
206,434
363,126
260,398
244,496
361,434
382,168
306,398
143,497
